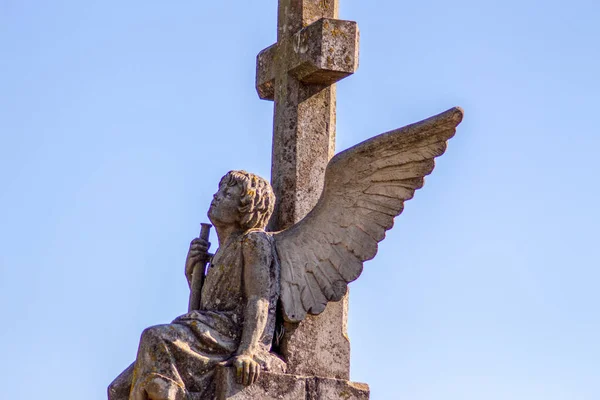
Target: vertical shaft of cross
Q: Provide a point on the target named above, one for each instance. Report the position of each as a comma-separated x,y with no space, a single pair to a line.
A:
314,50
304,122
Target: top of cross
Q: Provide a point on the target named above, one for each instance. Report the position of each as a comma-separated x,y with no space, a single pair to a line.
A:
295,15
312,45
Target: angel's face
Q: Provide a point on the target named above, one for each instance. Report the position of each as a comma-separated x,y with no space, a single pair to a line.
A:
224,209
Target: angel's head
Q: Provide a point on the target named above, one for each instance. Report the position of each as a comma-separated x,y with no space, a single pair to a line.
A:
242,198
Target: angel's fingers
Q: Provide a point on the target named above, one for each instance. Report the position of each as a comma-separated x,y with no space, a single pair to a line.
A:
244,373
251,373
238,372
256,372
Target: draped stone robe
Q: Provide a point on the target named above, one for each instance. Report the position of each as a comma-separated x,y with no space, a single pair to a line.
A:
185,353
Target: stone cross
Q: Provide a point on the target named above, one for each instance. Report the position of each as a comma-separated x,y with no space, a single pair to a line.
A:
314,50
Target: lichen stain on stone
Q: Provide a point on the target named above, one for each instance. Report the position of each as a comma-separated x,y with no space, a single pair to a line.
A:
345,395
336,32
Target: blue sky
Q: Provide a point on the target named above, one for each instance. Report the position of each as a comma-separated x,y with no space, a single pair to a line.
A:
117,120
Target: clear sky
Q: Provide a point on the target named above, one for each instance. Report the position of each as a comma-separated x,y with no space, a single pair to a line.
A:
117,119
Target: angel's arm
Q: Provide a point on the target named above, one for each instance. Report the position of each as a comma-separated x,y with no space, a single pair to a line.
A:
256,249
257,253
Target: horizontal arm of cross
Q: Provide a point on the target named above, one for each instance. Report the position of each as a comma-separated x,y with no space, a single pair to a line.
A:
322,53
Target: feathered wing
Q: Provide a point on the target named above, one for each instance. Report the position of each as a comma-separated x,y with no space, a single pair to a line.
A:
365,188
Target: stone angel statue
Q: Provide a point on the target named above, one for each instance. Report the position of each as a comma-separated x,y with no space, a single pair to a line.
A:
256,274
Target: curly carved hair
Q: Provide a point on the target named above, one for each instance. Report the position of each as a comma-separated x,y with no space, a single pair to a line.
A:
257,200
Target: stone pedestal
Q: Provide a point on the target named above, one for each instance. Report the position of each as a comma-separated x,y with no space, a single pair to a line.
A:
272,386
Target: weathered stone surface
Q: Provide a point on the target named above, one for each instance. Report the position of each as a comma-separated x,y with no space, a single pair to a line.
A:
272,386
322,388
320,54
296,14
268,387
313,51
319,345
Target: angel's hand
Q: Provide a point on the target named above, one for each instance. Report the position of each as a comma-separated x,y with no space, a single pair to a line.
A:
247,370
198,253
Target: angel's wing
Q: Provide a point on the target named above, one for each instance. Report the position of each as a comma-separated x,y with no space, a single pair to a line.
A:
365,188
